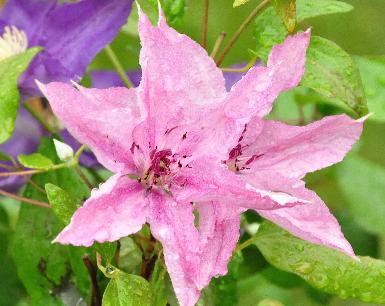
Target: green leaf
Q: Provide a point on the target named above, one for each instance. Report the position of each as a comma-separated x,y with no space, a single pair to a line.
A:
239,2
286,9
10,70
372,71
35,161
269,302
173,10
127,290
225,289
43,267
332,72
107,249
61,202
11,288
270,30
363,185
326,269
159,279
313,8
5,156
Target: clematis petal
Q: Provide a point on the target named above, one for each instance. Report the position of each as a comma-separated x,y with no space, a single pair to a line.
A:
256,92
95,116
312,222
173,225
117,209
205,180
176,89
84,28
219,230
294,151
20,13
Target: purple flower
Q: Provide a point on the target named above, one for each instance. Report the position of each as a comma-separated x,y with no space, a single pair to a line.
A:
70,33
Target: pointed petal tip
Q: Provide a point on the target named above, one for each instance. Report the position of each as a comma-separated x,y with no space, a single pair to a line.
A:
161,16
364,118
40,85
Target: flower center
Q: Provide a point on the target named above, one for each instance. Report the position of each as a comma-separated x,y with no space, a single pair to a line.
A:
13,41
163,170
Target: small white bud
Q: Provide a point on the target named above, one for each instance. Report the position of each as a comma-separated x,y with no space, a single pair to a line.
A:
63,150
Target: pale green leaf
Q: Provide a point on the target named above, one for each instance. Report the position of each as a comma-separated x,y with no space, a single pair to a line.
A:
35,161
332,72
127,290
324,268
372,70
239,2
363,185
10,70
313,8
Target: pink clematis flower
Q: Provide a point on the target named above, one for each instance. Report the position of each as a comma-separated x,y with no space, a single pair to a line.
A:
172,142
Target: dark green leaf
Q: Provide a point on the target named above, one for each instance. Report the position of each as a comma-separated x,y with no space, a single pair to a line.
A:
127,290
11,288
363,184
35,161
107,249
10,70
61,202
372,71
286,9
43,267
326,269
225,288
159,279
332,72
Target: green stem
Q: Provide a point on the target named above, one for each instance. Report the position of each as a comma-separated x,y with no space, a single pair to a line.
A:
73,163
40,119
22,199
218,44
245,244
242,27
118,66
84,177
243,69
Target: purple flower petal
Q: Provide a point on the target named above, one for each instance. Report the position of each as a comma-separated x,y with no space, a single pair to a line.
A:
71,34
